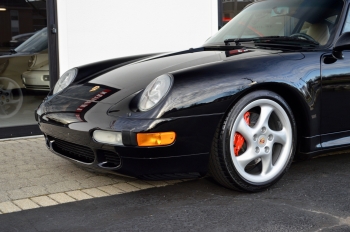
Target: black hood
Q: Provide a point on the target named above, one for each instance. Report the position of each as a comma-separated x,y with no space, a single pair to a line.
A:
133,77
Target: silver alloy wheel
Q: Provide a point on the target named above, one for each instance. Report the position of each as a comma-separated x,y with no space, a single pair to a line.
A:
260,141
11,98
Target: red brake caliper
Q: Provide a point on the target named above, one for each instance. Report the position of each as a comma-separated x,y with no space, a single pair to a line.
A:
239,139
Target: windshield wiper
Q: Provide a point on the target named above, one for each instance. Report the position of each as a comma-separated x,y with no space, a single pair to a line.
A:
227,47
267,39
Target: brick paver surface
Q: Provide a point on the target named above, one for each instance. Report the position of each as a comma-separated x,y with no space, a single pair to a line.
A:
26,204
95,192
8,207
31,176
44,201
61,197
78,195
111,190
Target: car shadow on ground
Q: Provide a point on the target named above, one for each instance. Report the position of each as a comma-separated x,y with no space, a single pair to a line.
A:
312,196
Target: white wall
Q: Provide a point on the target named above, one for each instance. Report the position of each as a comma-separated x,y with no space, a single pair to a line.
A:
93,30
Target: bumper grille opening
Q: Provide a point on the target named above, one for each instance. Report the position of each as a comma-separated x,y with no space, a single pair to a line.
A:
73,151
108,159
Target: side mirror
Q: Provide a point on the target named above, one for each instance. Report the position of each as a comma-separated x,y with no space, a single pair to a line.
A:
343,43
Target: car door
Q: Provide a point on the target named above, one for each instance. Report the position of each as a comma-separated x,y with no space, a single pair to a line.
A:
335,109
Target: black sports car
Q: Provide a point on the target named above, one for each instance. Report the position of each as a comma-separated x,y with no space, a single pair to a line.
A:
272,83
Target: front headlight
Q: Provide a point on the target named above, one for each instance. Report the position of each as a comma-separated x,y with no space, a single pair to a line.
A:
66,79
155,92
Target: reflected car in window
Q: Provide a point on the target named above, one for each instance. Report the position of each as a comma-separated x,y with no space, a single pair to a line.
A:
24,56
273,84
37,77
29,54
19,39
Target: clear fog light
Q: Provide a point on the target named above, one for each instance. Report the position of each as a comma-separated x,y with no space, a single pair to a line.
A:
108,137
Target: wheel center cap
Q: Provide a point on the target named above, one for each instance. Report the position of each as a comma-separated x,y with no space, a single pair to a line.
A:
262,140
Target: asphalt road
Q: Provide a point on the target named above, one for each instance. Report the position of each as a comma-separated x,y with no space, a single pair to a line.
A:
313,196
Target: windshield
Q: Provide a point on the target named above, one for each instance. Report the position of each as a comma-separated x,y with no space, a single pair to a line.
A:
36,43
312,20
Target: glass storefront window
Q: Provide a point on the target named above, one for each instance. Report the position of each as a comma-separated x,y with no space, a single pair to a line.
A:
24,64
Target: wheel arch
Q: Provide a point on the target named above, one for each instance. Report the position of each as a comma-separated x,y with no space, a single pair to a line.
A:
294,99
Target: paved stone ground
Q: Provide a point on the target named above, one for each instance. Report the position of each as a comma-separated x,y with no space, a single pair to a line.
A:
31,177
313,196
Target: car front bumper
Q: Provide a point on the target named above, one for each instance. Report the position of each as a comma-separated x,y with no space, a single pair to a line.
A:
187,157
36,80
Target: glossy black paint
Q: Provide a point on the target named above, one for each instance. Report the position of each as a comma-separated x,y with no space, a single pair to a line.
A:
335,125
342,44
207,83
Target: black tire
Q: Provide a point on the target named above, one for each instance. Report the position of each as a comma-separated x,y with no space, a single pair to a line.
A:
229,168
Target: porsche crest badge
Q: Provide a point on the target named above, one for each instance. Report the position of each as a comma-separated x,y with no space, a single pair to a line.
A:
94,88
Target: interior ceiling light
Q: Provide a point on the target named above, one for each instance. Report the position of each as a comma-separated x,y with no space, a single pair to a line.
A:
2,9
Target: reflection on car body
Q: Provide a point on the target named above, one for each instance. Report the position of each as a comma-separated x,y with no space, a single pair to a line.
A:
270,84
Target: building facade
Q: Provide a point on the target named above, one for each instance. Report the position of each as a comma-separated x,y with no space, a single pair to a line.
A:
41,39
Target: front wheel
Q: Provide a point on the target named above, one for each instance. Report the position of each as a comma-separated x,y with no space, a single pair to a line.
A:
255,144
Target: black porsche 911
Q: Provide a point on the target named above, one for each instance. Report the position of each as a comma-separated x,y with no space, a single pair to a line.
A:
273,82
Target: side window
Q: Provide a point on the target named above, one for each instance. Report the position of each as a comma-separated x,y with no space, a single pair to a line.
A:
347,23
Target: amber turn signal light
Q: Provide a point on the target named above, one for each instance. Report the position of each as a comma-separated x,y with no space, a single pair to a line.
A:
155,139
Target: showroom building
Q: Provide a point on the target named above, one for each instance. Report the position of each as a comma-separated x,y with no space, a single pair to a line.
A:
41,39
